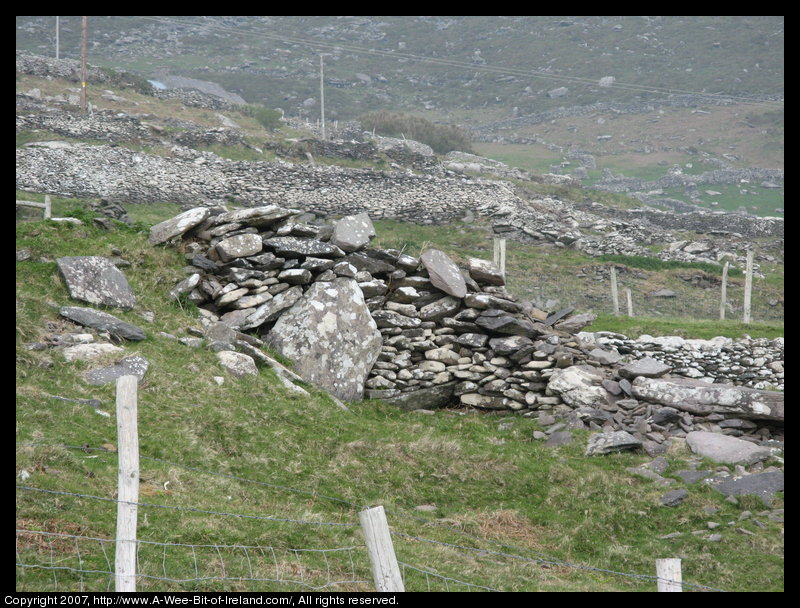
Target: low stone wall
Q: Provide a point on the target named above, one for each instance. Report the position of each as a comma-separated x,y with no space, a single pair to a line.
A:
442,335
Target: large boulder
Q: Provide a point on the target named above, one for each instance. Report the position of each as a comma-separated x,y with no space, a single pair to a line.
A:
702,398
331,337
95,280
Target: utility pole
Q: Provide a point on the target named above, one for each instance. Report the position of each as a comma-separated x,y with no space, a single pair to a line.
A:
322,93
57,28
83,64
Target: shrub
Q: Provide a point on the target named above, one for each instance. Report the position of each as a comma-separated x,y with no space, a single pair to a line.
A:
267,118
442,138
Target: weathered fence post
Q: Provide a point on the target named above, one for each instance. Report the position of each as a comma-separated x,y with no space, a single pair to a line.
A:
48,207
614,293
668,572
128,483
748,285
724,292
385,571
630,302
500,255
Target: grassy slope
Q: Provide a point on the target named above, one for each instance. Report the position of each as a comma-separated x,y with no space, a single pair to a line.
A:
493,487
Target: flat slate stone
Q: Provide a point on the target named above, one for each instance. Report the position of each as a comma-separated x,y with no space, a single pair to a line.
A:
763,485
293,247
353,232
605,443
486,272
178,225
726,449
260,217
96,280
96,319
129,366
647,367
444,273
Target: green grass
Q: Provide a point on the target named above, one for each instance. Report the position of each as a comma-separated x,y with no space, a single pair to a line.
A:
633,327
251,447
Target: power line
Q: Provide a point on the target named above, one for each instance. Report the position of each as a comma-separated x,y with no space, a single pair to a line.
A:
458,64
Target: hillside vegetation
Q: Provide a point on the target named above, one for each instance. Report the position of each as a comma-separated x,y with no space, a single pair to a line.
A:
248,474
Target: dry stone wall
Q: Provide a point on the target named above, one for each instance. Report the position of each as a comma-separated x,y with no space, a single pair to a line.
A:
424,332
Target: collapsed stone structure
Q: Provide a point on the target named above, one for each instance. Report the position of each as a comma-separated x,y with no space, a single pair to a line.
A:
423,332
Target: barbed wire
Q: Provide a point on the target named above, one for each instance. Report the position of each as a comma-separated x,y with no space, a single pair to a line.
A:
548,562
251,575
445,579
541,559
190,509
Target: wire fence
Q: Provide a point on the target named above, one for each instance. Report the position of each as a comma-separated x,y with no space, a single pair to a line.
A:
74,561
594,295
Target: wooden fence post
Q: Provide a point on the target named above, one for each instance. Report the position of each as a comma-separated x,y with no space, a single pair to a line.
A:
500,254
669,575
48,207
614,293
385,571
630,302
128,483
724,292
748,285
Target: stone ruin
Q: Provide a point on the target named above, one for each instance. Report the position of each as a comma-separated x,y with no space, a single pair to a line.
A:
423,332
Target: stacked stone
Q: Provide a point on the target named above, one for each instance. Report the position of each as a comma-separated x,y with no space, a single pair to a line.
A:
754,363
421,332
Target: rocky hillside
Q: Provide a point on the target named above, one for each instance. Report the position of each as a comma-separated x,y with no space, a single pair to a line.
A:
494,66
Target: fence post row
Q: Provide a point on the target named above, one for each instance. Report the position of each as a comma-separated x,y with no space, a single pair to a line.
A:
385,571
128,483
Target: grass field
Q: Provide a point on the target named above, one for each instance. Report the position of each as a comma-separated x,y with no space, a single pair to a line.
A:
242,483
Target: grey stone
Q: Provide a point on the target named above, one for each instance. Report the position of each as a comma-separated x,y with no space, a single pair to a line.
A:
236,364
260,217
87,352
578,386
606,443
331,337
674,498
178,225
293,247
509,345
271,310
506,324
96,280
725,449
444,273
485,272
693,476
103,321
703,398
434,397
483,301
647,367
129,366
353,232
441,308
185,286
605,357
763,485
239,246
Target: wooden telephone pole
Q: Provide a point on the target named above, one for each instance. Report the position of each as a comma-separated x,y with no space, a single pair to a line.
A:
83,64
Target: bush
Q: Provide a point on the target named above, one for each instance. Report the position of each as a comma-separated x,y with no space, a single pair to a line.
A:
267,118
442,138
